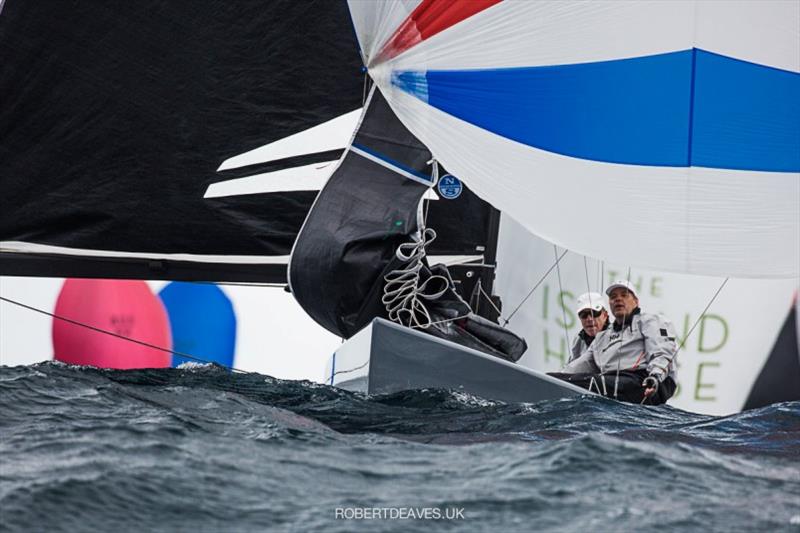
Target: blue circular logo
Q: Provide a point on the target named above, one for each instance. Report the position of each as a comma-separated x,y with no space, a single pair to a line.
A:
449,187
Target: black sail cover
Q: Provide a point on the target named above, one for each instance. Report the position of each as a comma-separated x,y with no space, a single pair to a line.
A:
348,243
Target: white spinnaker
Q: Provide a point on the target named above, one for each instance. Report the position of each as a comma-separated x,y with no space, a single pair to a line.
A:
376,20
693,220
766,32
524,34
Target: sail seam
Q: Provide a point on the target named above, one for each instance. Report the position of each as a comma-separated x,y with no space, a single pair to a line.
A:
390,164
691,109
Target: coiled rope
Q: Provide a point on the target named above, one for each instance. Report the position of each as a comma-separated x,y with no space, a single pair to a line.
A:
403,294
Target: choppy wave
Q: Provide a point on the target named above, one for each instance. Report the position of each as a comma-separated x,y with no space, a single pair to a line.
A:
203,449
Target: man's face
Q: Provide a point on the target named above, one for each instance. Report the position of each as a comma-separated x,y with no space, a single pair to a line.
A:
593,321
622,302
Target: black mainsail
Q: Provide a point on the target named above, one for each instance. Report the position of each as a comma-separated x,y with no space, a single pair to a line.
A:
115,119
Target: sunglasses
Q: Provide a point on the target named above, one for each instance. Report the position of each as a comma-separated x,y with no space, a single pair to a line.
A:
586,312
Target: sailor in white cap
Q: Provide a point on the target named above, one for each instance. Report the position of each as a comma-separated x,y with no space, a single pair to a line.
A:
634,360
593,315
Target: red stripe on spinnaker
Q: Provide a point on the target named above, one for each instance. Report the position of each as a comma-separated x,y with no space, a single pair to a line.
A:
429,18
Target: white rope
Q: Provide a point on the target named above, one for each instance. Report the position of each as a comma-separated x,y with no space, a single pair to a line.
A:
602,275
403,293
592,382
588,286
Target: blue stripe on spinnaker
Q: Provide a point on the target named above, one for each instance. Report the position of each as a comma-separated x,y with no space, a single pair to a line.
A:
746,116
632,111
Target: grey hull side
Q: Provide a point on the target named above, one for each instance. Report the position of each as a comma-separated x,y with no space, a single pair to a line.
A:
402,359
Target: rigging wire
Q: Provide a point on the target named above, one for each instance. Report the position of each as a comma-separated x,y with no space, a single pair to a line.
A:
541,280
117,335
589,290
602,275
240,284
724,282
560,297
586,272
588,285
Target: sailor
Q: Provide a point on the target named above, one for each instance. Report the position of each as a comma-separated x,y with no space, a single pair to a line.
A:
594,319
634,359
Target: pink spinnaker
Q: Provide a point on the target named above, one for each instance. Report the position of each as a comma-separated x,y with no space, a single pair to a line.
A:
127,308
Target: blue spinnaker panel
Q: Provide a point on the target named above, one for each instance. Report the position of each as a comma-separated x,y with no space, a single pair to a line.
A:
628,111
746,116
203,322
687,108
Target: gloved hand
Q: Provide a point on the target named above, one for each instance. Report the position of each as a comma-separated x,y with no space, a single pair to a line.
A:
650,385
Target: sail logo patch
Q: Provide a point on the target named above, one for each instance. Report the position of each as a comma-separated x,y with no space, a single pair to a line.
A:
449,187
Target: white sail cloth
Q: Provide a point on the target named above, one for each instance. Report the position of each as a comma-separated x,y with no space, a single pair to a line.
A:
679,119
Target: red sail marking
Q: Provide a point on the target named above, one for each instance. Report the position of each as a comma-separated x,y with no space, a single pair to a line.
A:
429,18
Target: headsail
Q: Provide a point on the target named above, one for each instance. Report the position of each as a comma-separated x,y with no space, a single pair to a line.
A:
353,230
680,119
361,251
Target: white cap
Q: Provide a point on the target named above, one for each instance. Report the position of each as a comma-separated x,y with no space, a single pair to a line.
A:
624,284
590,300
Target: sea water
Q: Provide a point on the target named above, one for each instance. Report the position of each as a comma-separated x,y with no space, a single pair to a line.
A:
203,449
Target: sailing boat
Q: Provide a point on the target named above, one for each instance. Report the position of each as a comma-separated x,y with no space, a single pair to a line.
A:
681,118
140,211
134,169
